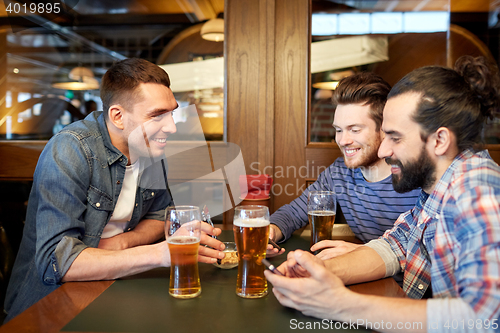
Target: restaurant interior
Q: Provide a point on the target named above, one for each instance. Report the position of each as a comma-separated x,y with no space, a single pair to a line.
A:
260,73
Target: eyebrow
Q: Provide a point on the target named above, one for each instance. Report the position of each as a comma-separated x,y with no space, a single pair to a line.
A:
392,133
157,112
350,126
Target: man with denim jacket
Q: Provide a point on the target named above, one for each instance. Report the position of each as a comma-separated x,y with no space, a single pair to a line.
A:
81,189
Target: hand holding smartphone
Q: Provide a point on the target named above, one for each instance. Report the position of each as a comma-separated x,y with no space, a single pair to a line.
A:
271,267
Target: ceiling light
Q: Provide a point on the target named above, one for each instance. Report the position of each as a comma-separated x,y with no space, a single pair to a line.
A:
326,85
213,30
82,79
330,79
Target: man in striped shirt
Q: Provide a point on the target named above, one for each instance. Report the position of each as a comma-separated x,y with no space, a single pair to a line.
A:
360,180
450,241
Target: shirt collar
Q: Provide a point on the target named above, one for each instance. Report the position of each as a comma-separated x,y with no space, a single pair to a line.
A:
113,154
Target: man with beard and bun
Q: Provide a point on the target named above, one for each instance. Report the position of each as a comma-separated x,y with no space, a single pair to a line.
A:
449,242
360,179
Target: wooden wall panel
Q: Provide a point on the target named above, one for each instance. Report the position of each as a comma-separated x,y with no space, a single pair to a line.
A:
291,97
267,52
249,111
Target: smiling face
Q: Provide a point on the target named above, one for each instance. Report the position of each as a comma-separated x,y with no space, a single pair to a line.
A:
411,163
357,135
149,123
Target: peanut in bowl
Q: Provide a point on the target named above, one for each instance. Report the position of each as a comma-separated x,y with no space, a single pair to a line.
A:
231,258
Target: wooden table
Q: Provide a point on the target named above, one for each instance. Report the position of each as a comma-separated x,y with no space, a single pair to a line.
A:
141,304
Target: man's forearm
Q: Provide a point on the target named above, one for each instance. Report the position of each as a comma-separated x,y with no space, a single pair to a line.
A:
361,265
146,232
97,264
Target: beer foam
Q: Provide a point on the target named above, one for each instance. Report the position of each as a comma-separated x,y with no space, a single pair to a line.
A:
321,213
182,240
251,223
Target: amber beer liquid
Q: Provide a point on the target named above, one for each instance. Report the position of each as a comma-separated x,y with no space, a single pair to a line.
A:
251,237
184,276
321,222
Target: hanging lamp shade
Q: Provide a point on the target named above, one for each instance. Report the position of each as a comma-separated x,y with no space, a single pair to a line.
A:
213,30
82,79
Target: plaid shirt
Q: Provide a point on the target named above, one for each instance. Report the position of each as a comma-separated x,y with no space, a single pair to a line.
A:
452,236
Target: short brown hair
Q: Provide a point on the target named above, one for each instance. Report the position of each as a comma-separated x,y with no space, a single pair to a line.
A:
119,84
363,88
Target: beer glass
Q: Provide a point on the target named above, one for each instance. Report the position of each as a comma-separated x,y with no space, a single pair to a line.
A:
183,232
321,208
251,233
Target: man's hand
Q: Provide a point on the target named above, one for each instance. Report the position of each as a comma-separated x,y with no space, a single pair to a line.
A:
274,234
292,269
213,249
332,248
320,294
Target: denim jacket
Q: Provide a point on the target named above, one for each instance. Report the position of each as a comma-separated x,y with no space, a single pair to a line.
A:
76,185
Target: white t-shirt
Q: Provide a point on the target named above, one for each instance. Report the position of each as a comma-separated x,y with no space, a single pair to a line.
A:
125,204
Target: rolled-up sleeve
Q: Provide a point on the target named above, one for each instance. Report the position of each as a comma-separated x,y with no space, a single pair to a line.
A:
384,250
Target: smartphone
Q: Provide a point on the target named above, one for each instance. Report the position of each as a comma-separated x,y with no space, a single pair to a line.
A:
271,267
274,244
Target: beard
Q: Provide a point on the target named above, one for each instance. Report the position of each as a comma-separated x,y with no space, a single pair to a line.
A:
368,157
419,173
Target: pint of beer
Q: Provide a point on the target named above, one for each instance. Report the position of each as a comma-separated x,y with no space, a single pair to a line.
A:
183,232
321,208
251,234
321,222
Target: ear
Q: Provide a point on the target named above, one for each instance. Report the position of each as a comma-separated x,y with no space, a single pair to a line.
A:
442,140
115,115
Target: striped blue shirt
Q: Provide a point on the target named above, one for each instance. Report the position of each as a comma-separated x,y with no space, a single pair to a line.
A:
370,208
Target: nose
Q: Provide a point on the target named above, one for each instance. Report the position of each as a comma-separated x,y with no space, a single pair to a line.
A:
169,125
343,138
385,149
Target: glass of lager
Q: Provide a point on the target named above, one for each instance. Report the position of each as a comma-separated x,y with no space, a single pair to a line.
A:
321,208
183,232
251,233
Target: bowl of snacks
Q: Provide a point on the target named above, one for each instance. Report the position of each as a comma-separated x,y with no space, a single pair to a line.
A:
231,258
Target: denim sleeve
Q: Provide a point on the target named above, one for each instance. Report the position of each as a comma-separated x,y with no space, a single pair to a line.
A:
159,206
61,182
293,216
